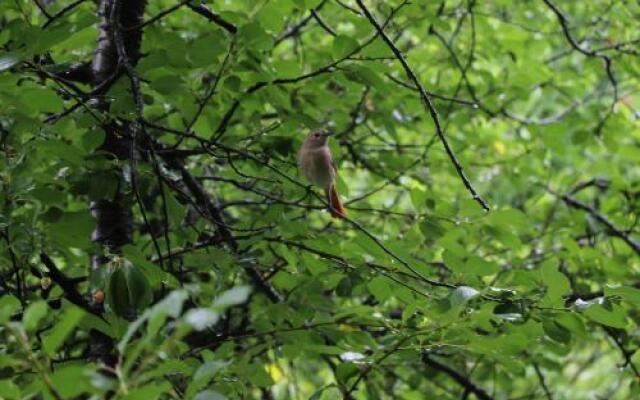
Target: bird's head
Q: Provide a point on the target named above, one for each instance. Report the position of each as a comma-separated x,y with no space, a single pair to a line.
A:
317,138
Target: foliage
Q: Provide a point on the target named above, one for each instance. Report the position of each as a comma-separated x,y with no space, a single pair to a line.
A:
221,275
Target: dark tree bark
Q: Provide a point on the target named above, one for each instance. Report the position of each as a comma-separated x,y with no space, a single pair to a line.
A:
114,219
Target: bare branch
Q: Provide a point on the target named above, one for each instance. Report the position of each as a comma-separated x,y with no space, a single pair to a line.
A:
62,12
427,101
456,376
613,230
213,17
68,285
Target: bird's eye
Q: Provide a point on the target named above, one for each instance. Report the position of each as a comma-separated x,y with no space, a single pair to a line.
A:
316,135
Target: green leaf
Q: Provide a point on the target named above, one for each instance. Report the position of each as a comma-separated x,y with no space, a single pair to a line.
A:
481,267
380,288
627,293
556,331
272,14
151,392
9,389
557,284
8,306
203,376
128,291
41,99
209,395
315,266
370,247
170,306
176,211
342,46
33,314
454,262
253,37
72,380
258,376
206,49
431,229
614,318
69,319
73,229
572,323
345,371
91,321
367,76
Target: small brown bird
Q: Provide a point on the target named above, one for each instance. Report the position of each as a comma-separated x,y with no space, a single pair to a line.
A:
316,163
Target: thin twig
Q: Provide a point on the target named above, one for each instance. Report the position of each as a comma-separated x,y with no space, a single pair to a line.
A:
406,85
320,21
226,118
159,16
542,381
66,284
294,29
626,354
203,103
608,63
427,101
62,12
613,230
42,9
457,376
379,361
213,17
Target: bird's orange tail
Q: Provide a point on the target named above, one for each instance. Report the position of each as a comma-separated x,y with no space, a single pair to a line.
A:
336,208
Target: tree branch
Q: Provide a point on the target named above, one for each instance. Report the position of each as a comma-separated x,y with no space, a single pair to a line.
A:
456,376
613,230
62,12
427,102
608,63
543,383
67,285
213,17
293,30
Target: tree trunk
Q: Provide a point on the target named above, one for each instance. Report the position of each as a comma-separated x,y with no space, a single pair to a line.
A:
114,220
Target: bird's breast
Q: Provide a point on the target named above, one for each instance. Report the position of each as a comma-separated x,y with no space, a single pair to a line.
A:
317,166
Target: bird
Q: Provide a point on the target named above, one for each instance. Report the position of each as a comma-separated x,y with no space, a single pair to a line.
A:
316,163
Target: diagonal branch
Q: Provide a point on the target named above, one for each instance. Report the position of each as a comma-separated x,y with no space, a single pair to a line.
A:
457,376
68,285
427,102
608,63
213,212
213,17
626,354
543,383
613,230
226,118
42,9
161,15
62,12
293,30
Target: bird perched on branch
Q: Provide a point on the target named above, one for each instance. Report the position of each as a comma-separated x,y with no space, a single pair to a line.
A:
316,163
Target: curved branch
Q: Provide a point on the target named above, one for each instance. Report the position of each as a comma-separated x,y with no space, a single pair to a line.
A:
213,17
429,105
613,230
457,376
